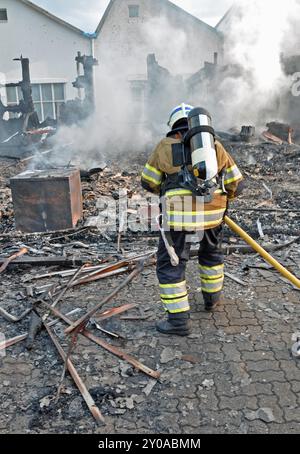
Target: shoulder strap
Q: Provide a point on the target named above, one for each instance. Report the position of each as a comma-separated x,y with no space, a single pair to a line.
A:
198,129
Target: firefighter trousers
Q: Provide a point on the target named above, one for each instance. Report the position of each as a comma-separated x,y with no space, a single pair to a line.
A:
172,281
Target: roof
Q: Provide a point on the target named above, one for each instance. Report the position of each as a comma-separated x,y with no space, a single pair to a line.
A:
168,3
53,17
104,17
106,13
226,15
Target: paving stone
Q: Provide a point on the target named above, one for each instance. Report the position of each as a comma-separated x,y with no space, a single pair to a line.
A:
238,372
168,354
215,357
231,352
265,415
232,312
243,322
285,395
190,416
271,402
244,345
185,390
221,319
212,347
268,376
258,356
248,314
286,429
253,389
237,403
235,329
292,414
258,427
290,369
295,385
261,366
225,386
207,399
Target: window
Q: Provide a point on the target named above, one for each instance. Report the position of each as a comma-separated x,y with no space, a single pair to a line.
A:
14,96
47,99
3,15
134,10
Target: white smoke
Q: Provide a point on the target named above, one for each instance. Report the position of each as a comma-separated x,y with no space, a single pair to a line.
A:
169,44
120,124
115,128
247,92
254,39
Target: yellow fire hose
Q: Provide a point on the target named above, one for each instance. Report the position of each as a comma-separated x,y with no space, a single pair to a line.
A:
265,255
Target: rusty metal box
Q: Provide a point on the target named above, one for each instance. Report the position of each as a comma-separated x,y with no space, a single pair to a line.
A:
47,200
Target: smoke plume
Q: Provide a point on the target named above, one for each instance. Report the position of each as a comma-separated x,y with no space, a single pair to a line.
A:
255,39
247,88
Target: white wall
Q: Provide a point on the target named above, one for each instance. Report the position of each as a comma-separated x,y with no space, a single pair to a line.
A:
50,46
180,42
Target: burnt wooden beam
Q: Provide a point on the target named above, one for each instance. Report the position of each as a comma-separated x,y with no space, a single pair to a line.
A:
46,261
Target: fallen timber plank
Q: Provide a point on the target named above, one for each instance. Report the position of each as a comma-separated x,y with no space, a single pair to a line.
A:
117,352
100,270
14,340
115,311
65,261
114,350
12,318
11,259
47,261
63,233
80,324
78,381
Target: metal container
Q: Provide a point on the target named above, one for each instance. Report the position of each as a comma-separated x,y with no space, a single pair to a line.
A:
47,200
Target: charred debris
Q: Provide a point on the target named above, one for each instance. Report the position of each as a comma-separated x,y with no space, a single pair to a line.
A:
50,242
21,132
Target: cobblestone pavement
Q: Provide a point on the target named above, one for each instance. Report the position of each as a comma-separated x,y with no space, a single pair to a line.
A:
234,374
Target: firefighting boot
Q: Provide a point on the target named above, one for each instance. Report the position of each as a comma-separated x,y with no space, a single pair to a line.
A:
211,300
177,324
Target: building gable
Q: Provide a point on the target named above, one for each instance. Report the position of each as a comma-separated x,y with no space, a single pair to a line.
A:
226,20
166,5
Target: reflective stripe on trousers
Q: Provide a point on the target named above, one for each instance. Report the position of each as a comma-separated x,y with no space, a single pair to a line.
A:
212,278
174,297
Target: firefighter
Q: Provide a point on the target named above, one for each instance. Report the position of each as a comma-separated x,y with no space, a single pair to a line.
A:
170,172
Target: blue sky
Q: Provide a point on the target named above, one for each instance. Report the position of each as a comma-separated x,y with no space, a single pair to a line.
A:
87,14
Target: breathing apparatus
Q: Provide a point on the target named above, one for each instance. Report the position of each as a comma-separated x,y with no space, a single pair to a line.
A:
200,142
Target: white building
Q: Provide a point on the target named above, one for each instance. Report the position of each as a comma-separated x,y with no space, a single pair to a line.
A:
128,31
132,29
51,45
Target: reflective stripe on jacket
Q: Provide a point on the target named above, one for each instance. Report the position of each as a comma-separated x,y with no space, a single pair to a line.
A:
182,210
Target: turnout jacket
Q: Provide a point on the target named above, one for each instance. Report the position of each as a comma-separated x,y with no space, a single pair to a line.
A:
182,209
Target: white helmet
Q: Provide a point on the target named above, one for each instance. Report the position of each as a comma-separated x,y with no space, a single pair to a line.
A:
178,113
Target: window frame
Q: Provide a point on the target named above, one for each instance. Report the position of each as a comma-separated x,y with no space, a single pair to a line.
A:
54,102
132,8
3,10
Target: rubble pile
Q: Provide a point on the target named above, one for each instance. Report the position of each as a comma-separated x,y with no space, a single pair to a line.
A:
127,369
272,191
